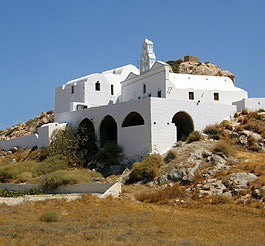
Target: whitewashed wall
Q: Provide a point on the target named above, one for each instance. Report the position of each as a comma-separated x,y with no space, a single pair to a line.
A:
163,132
139,144
251,104
132,88
21,142
45,132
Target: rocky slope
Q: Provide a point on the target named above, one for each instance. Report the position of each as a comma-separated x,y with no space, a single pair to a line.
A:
28,127
192,65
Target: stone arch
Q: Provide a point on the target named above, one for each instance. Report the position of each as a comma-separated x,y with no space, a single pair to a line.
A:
133,119
184,125
108,130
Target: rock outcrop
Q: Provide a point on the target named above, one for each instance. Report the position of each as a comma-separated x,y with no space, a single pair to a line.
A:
27,128
192,65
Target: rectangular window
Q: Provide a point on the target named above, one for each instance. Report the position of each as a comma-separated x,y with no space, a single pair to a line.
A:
144,88
72,89
111,89
216,96
191,95
149,95
159,94
97,86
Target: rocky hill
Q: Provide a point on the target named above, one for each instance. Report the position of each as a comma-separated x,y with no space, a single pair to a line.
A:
192,65
27,128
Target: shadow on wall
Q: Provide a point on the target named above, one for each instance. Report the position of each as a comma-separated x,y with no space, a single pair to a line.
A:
184,125
108,131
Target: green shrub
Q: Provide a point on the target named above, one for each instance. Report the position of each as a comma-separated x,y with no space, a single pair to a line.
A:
223,148
50,165
23,171
148,169
175,65
24,177
194,136
50,217
13,170
171,155
64,177
110,155
77,145
261,110
212,131
5,193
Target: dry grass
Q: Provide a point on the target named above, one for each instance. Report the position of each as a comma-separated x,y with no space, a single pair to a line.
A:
171,155
113,222
223,148
194,136
147,169
64,177
162,196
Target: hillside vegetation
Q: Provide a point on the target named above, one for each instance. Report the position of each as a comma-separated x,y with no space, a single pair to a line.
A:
209,190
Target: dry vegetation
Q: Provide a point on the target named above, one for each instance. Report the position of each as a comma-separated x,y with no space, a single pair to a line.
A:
91,221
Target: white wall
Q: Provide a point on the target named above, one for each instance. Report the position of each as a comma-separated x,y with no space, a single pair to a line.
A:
251,104
137,143
21,142
163,110
45,132
132,88
134,140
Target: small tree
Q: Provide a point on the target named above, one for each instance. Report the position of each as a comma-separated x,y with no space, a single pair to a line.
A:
78,146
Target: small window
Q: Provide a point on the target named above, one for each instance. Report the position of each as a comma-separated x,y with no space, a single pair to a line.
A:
144,88
191,95
159,94
97,86
73,89
149,95
111,89
216,96
139,97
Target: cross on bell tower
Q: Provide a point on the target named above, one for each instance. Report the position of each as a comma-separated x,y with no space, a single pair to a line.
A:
148,57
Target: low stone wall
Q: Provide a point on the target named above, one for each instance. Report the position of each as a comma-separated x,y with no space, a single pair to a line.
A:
68,192
21,142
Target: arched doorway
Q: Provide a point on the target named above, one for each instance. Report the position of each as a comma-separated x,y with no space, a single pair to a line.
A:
184,125
108,130
86,140
133,119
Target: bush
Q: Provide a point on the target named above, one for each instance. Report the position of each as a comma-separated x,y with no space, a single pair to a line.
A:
50,217
171,155
64,177
23,171
261,110
50,165
212,131
194,136
78,146
14,170
148,169
110,155
223,148
244,112
175,65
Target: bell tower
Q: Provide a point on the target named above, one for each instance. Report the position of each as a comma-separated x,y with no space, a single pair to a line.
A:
148,57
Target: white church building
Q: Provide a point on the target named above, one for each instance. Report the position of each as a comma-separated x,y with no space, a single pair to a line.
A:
143,110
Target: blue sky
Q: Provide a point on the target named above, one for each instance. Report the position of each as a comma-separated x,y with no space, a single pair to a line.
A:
43,44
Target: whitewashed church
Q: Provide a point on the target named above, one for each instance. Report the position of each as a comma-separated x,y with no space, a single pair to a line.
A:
143,110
